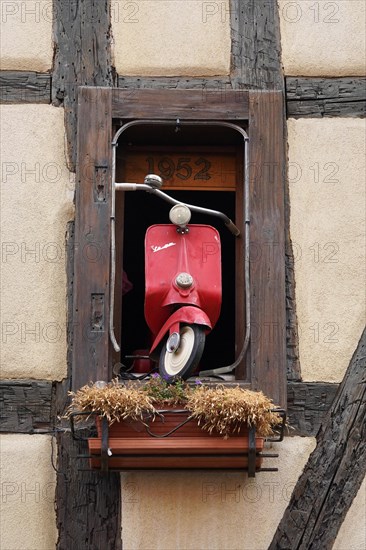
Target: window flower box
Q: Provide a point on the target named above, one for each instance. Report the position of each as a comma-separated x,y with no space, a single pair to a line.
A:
201,428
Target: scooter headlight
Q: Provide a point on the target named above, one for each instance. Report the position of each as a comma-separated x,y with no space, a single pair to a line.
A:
180,215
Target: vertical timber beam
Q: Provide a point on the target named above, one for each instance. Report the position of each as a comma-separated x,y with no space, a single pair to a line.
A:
88,502
82,57
256,45
267,230
92,237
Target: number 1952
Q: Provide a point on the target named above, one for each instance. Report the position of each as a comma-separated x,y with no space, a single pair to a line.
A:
183,170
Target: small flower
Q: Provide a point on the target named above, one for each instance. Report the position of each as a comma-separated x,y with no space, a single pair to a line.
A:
155,375
198,382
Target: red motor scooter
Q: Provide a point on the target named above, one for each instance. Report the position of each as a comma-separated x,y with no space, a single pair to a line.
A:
182,283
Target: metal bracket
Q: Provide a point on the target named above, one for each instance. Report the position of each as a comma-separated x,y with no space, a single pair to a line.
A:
282,427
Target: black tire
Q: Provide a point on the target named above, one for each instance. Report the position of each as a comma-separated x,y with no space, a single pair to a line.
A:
183,362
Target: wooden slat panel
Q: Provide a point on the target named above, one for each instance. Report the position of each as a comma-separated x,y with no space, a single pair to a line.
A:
182,445
177,462
267,235
160,426
183,104
92,237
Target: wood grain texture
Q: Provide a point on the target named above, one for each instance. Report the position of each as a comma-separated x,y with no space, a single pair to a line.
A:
256,45
267,236
88,504
92,236
25,405
335,470
325,97
209,85
307,406
24,87
292,336
184,104
82,57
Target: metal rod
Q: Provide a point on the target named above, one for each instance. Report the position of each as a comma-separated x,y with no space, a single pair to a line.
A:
104,445
230,368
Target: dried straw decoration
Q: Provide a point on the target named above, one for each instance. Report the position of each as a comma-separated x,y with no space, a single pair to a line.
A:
225,410
114,401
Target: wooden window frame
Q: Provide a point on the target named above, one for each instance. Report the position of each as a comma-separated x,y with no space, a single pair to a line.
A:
262,112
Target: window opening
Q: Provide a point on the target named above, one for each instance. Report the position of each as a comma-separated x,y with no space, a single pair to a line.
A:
186,155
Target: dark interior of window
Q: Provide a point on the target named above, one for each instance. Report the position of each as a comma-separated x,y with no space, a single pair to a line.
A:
135,211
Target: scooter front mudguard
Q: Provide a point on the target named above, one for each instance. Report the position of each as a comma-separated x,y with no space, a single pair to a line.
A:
189,315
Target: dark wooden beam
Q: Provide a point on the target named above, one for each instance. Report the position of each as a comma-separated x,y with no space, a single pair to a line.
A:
326,97
82,57
256,45
25,87
307,405
25,405
335,470
88,503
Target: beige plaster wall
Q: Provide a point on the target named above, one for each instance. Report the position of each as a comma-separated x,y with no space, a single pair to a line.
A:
28,482
26,35
171,37
327,225
352,534
174,510
323,38
36,203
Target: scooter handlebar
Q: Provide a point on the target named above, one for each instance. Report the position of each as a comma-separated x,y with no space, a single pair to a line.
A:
232,228
153,190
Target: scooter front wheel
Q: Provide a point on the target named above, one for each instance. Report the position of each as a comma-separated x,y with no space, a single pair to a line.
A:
182,362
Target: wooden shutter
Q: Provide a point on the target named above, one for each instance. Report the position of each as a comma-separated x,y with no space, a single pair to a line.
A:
92,237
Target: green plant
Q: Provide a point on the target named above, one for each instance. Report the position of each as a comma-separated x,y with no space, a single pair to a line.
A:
160,391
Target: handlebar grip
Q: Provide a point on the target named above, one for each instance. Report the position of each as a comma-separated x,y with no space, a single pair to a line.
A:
232,228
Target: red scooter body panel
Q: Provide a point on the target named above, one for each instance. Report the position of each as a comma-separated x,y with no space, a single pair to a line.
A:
168,253
188,315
